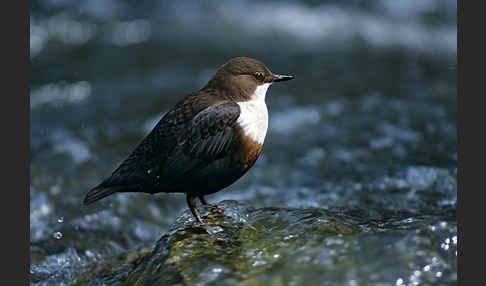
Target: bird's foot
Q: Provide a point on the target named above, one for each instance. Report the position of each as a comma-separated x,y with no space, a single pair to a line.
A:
215,211
199,227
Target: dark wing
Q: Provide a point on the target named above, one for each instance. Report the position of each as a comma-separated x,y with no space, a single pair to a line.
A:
189,135
140,169
208,137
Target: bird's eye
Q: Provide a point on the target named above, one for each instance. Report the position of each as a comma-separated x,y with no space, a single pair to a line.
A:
259,76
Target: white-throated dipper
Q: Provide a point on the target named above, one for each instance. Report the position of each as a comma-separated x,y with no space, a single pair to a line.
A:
205,143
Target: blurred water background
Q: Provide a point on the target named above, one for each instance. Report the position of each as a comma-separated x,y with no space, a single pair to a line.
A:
365,134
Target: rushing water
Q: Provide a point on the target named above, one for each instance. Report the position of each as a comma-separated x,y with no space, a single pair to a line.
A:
357,183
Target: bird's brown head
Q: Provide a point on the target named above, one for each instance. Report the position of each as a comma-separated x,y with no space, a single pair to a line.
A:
240,77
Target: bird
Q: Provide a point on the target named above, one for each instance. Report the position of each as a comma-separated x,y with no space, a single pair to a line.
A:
205,143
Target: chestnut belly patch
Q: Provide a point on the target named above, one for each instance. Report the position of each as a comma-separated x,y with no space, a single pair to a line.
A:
248,150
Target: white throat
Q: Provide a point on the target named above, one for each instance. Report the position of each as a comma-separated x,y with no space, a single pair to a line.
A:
254,115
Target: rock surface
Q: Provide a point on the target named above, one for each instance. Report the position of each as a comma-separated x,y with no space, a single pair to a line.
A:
275,246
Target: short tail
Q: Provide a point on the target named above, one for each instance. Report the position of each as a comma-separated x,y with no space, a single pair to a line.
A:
98,193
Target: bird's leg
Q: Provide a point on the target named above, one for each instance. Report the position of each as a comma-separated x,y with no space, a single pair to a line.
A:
203,200
191,202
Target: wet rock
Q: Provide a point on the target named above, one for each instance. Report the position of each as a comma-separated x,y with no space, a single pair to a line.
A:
282,246
271,246
233,246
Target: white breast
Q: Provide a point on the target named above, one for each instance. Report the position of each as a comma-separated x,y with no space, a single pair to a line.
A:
254,115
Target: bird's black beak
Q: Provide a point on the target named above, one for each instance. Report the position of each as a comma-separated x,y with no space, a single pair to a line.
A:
279,77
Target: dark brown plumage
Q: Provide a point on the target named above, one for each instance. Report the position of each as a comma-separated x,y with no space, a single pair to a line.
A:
198,147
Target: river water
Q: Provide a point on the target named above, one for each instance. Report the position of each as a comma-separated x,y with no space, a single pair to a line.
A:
357,182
